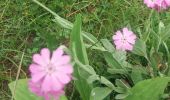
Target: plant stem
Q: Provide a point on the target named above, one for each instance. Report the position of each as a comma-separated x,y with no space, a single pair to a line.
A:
149,23
150,68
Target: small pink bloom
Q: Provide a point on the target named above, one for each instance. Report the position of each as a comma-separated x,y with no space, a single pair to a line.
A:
50,72
124,40
158,4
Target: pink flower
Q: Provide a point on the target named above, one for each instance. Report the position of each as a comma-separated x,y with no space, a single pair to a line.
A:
124,40
50,72
158,4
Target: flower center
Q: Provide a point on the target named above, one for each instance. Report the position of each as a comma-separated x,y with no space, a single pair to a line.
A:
123,39
50,68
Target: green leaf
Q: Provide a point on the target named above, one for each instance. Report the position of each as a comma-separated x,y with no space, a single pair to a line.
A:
99,93
107,82
79,53
111,61
166,33
156,59
150,89
109,46
93,78
140,48
91,39
63,97
117,60
121,96
121,90
161,27
21,91
92,47
136,74
122,83
86,68
63,22
120,56
77,41
117,71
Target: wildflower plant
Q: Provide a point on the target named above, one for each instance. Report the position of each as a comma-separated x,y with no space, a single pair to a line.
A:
125,79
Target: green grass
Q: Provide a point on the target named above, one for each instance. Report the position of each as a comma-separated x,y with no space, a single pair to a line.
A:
24,27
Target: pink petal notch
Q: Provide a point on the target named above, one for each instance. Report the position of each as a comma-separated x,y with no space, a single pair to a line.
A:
50,72
124,39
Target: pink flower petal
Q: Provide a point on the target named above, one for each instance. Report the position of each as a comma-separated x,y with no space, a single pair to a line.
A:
118,42
47,96
56,85
125,30
128,46
63,78
117,36
46,84
127,33
158,4
67,69
37,76
56,55
35,88
149,3
167,2
57,94
45,54
63,60
118,45
35,68
38,59
131,39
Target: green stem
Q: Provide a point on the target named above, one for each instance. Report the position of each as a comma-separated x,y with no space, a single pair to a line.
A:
149,23
159,43
159,32
166,48
150,66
